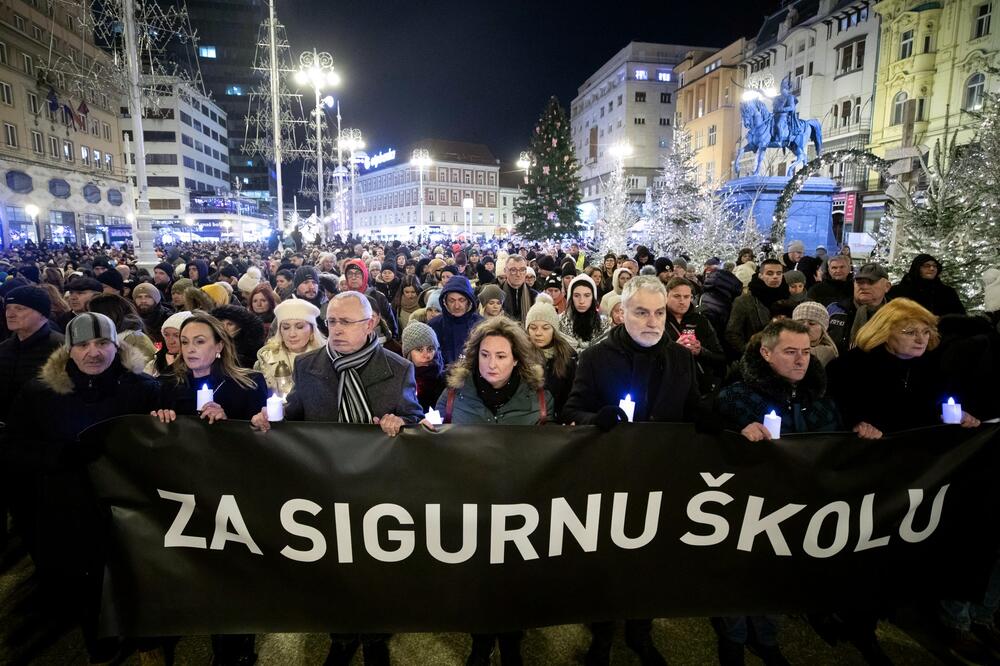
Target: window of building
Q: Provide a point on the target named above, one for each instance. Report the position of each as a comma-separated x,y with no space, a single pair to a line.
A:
85,155
809,69
664,121
97,158
106,131
641,75
898,108
206,51
619,100
163,181
711,135
161,158
54,147
6,94
27,64
19,23
3,53
36,32
37,142
638,120
640,96
812,41
664,98
663,76
906,45
983,15
975,89
109,163
10,134
185,118
920,109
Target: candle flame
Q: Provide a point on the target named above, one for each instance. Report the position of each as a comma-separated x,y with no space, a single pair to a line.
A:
951,401
772,413
628,397
204,387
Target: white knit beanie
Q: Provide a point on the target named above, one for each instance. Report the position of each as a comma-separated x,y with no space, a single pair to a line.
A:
249,282
175,320
991,285
582,277
296,308
542,311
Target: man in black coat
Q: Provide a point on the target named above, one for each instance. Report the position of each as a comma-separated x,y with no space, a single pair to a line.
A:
694,332
638,359
797,260
837,284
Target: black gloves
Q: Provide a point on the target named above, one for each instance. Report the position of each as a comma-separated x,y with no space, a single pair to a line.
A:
608,416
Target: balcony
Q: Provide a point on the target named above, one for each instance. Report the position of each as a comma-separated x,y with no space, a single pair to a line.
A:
864,127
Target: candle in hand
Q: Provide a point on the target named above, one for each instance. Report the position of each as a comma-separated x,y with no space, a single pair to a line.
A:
627,406
275,408
773,424
205,396
433,417
951,412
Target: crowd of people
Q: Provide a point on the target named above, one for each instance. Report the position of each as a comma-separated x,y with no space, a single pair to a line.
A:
485,333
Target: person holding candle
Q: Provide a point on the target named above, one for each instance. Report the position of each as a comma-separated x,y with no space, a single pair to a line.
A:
296,332
895,349
636,359
87,380
581,323
542,324
420,347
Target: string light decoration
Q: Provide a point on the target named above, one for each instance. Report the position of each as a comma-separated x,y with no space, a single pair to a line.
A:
856,156
618,213
679,200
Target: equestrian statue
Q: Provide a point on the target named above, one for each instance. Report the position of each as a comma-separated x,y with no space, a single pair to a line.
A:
779,127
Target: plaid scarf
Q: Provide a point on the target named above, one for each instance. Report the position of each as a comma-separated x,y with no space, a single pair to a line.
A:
352,400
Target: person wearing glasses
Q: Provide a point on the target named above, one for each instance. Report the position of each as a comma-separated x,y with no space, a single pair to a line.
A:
518,296
352,379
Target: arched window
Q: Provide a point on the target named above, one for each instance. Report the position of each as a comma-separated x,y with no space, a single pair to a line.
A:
975,87
898,108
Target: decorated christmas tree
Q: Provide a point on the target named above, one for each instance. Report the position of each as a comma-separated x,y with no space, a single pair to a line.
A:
618,212
551,193
679,199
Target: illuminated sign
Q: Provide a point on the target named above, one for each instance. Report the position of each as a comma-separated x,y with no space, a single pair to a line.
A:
378,159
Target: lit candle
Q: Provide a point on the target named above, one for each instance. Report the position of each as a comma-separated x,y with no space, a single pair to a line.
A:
627,406
773,424
205,396
275,408
433,417
951,412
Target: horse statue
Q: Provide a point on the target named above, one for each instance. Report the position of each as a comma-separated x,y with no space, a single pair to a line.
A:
781,129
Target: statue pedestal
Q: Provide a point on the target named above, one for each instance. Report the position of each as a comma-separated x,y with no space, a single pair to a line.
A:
809,218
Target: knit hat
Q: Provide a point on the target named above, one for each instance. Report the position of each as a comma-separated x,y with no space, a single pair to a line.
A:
796,246
166,268
568,270
416,335
85,284
112,279
175,320
812,311
35,298
745,272
181,286
229,271
663,264
30,272
296,308
542,311
145,288
585,279
489,292
303,273
89,326
610,301
217,293
795,277
991,284
546,263
552,282
248,282
451,268
434,300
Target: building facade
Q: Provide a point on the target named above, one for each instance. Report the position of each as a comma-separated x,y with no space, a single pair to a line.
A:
464,194
629,100
708,96
60,153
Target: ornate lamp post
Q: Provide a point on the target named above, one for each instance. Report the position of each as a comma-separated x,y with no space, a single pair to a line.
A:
316,68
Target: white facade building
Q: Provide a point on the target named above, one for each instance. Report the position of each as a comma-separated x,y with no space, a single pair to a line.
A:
629,100
465,193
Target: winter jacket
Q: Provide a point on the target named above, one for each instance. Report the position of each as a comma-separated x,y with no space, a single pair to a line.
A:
751,313
890,393
203,272
661,379
154,320
721,289
250,337
522,409
559,387
512,300
831,291
579,344
969,356
240,403
387,378
430,383
613,289
20,362
934,295
273,353
842,316
452,331
711,362
803,407
807,265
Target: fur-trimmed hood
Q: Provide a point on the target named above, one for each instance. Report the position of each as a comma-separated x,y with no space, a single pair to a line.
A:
55,376
759,376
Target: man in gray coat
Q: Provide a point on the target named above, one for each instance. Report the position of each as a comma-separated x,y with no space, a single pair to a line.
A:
352,379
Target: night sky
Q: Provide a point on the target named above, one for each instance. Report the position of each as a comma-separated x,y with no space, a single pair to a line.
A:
482,71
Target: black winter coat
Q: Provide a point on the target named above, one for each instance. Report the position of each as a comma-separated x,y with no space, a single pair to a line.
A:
239,403
559,387
20,362
934,295
661,379
711,362
720,290
806,265
832,291
970,363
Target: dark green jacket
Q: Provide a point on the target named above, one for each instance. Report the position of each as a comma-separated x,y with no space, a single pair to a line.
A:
521,409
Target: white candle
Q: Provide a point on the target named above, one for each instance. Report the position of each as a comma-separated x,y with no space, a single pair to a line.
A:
773,424
433,417
951,412
205,396
275,408
627,406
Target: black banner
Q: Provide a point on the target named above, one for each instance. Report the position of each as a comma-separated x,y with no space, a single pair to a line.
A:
324,527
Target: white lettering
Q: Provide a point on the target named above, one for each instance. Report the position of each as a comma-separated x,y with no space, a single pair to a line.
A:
227,514
619,505
342,521
916,497
866,522
500,535
405,538
175,537
811,542
753,525
563,518
318,549
697,515
469,531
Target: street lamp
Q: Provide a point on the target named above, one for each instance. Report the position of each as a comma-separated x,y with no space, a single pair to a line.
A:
421,158
524,162
351,141
621,150
31,210
316,69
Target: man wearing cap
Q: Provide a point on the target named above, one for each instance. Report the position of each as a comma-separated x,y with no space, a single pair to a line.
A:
81,290
148,301
307,288
112,282
546,266
797,260
553,288
86,381
100,265
871,284
356,279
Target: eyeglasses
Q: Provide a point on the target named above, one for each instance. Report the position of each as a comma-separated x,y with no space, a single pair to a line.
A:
517,271
345,322
917,332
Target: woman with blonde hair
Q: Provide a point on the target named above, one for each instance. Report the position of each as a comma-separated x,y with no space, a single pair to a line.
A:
295,332
59,305
894,355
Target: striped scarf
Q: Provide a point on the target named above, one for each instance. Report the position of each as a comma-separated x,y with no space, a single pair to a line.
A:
352,400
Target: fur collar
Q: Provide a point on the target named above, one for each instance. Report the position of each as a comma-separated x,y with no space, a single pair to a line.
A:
55,377
759,376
